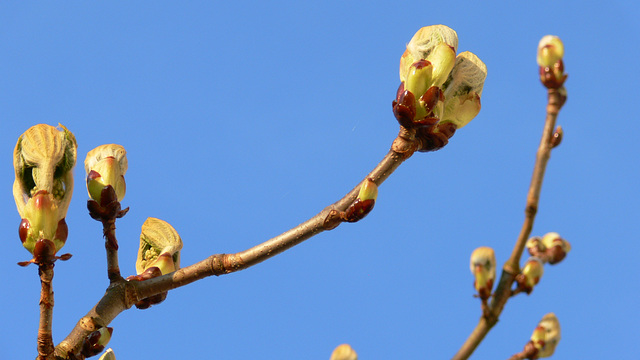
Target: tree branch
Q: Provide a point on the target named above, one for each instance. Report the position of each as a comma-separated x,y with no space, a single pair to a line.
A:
45,339
121,295
512,266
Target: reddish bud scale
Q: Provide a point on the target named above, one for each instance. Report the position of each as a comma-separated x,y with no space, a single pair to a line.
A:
431,99
149,273
23,230
359,209
62,232
44,251
404,108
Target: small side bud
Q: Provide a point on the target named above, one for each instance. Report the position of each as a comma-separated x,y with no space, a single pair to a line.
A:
364,202
557,248
556,139
483,268
95,342
530,275
344,352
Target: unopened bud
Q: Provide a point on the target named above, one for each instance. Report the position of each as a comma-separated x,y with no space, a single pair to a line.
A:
550,50
419,77
531,274
538,337
95,342
483,267
364,202
557,248
344,352
106,165
551,327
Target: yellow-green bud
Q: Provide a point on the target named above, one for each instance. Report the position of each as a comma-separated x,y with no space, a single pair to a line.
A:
160,246
108,355
368,190
442,58
419,78
106,165
463,89
550,50
551,327
483,268
43,160
41,222
344,352
538,337
423,43
532,271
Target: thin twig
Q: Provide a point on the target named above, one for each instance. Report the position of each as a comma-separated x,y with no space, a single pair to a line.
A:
512,266
121,295
113,267
45,339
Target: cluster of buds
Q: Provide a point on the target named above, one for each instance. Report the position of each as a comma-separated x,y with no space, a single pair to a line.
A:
95,342
439,91
344,352
544,339
550,53
483,268
43,161
105,167
159,254
551,248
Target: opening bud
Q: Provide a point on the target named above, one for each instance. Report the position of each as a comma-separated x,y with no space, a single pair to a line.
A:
344,352
483,268
158,238
557,248
463,89
106,165
95,342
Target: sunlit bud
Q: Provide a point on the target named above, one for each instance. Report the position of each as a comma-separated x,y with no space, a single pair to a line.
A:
550,50
106,165
108,355
160,245
538,337
532,272
419,77
344,352
463,89
534,246
423,44
442,58
41,222
551,327
483,267
43,160
557,248
364,202
95,342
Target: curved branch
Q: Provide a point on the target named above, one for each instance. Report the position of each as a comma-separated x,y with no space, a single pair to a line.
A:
512,266
121,295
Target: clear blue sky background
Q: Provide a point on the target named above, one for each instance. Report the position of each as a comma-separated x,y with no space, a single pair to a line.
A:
242,120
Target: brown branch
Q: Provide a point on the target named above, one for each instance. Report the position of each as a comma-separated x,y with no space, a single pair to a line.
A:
113,267
45,338
512,266
121,295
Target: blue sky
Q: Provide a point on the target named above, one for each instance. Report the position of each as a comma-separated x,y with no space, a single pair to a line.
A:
242,120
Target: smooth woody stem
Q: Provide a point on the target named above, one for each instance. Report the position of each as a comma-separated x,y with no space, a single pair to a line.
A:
512,265
121,294
111,246
45,338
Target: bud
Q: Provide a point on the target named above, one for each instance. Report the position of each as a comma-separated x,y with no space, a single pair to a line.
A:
424,42
463,89
108,355
483,267
95,342
106,165
364,202
551,327
530,275
538,337
344,352
43,161
534,246
160,247
557,248
550,50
